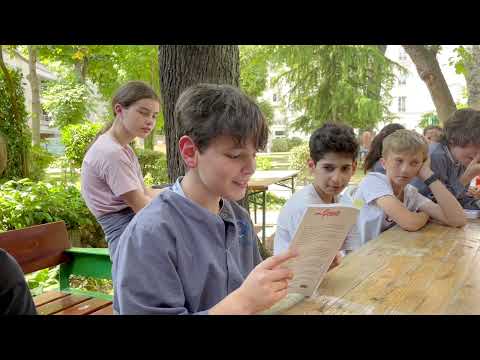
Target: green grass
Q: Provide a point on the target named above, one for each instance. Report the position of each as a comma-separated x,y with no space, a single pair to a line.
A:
55,174
358,176
279,160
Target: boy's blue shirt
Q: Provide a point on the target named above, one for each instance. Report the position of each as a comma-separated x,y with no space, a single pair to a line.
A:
176,257
449,172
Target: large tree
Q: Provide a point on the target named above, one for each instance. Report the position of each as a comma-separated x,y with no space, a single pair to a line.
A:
425,59
468,64
348,83
181,66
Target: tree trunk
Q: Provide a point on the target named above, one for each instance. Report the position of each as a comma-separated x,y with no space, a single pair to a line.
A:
472,77
382,48
428,69
3,154
35,86
181,66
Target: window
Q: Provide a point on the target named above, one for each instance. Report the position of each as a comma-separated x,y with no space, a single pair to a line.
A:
279,133
275,98
402,79
401,103
402,55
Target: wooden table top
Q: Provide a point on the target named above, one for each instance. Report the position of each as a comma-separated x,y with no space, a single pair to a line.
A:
264,178
432,271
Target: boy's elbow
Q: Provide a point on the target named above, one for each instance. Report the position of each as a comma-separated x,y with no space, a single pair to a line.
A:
412,227
458,222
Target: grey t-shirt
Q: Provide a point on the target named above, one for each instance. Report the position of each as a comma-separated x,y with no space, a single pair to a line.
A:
176,257
449,172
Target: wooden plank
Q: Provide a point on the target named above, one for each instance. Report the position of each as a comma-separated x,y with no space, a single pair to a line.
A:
262,179
60,304
467,300
37,247
381,290
85,307
47,297
434,270
448,279
105,311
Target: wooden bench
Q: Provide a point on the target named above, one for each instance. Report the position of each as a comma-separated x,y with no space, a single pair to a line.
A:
43,246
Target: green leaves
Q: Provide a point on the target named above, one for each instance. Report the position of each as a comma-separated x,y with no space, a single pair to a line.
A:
348,83
16,133
77,139
25,203
153,165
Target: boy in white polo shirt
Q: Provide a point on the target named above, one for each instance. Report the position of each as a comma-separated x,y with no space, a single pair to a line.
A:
333,150
389,199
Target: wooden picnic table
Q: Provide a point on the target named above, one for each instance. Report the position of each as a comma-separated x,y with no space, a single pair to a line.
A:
258,186
432,271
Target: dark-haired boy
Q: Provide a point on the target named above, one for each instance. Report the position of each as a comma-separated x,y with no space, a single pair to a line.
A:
333,153
193,249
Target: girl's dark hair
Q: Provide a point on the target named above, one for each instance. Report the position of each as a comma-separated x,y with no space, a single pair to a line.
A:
375,151
206,111
126,95
335,138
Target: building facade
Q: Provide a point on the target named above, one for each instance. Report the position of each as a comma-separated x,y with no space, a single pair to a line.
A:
410,96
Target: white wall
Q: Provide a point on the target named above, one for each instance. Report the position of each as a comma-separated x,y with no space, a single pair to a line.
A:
418,99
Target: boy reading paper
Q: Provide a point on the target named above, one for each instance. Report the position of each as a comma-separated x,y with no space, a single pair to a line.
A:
193,249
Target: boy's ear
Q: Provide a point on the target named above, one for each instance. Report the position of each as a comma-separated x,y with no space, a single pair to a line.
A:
311,165
382,161
117,109
188,150
354,166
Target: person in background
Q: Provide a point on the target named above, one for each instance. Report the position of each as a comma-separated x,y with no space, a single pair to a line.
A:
433,134
455,160
372,160
111,178
389,199
332,162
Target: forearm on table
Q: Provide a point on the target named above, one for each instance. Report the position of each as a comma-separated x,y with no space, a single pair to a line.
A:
452,210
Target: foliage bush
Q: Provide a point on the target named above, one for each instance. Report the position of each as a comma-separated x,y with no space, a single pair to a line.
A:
43,280
40,160
154,166
298,158
264,163
66,100
77,139
25,203
273,201
16,132
280,145
285,144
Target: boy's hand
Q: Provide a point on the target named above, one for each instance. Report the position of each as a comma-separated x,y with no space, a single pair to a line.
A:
266,284
336,261
425,171
474,192
473,169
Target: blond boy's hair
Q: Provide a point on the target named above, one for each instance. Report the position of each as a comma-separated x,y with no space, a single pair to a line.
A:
405,141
